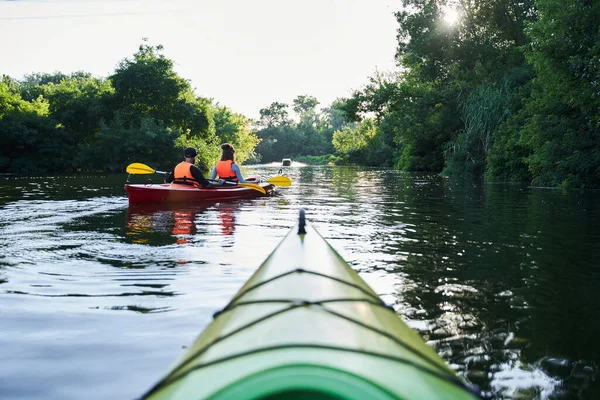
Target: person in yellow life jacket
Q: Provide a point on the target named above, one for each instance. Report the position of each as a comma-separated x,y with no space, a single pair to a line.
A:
227,168
187,172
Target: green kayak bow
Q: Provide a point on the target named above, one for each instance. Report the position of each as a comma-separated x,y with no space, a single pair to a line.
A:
306,326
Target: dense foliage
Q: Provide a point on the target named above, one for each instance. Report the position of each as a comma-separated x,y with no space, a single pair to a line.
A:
561,118
310,134
509,91
144,112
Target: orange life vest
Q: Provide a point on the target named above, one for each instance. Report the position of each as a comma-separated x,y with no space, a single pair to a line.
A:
182,173
225,171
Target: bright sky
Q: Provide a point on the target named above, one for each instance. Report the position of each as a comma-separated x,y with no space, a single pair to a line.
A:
245,54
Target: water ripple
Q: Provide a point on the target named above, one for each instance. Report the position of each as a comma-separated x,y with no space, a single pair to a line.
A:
500,279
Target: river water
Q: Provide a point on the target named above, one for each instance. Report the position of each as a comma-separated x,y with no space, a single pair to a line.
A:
98,299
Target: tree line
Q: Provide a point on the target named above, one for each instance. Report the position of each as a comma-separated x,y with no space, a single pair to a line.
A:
508,92
144,112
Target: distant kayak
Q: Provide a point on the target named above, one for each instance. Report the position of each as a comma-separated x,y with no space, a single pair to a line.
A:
306,326
171,193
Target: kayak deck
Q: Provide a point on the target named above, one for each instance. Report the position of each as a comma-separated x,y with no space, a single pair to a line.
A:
305,325
175,193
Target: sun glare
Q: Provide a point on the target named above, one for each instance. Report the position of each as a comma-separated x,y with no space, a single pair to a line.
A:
450,15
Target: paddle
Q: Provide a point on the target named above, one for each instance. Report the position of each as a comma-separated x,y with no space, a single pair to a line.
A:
143,169
279,181
253,186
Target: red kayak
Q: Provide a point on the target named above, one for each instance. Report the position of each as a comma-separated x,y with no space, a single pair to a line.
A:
171,193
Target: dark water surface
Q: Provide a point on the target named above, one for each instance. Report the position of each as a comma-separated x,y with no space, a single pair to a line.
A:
98,299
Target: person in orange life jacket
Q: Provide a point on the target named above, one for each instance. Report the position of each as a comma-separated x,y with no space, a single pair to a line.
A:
227,168
187,172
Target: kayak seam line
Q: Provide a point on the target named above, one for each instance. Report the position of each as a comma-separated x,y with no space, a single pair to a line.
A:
442,376
300,303
301,270
171,376
192,357
389,336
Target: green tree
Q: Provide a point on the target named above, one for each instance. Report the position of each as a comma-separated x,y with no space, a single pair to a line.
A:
274,133
235,128
446,63
147,89
79,104
147,86
143,112
563,122
305,106
507,157
311,139
334,116
31,140
441,64
275,115
351,143
118,144
308,136
31,86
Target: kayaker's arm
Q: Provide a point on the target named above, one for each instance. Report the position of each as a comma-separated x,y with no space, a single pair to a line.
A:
198,176
214,173
170,177
238,174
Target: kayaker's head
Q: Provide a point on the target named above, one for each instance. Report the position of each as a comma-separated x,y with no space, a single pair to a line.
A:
190,154
228,152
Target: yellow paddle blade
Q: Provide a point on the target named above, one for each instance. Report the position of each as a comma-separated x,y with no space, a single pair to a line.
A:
139,169
280,181
253,186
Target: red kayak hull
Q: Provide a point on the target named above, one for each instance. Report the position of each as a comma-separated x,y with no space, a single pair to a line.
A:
173,193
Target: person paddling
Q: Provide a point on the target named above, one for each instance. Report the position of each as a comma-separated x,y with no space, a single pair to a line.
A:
227,168
187,173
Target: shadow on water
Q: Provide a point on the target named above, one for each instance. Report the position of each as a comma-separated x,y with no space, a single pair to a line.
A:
73,187
502,279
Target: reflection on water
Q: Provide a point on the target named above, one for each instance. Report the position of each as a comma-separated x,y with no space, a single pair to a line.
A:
500,279
227,217
144,221
177,222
